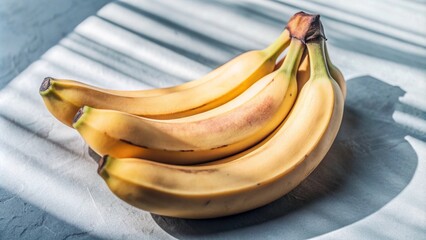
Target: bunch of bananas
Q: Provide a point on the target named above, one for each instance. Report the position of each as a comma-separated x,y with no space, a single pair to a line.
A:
238,138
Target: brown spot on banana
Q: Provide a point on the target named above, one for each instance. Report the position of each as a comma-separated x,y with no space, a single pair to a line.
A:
219,147
145,147
186,150
196,170
261,112
239,119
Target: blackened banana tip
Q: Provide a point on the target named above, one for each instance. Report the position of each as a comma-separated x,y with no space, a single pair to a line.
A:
45,84
101,163
78,115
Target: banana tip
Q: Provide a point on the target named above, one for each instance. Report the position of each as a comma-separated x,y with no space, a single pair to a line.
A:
45,84
78,115
101,163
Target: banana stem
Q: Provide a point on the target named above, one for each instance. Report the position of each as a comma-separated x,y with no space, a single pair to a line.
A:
278,46
317,59
294,55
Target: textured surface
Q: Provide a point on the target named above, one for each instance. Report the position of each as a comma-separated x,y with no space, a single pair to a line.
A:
370,185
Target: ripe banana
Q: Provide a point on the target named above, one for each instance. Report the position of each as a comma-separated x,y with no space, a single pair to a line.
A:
222,131
246,180
63,98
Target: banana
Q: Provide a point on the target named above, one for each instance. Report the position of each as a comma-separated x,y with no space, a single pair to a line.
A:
246,180
222,131
63,98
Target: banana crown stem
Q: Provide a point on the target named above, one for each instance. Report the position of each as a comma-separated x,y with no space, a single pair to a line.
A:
294,55
317,59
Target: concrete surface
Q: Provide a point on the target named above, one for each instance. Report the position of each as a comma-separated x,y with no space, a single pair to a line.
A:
370,185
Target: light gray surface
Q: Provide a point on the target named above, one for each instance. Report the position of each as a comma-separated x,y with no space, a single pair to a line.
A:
370,186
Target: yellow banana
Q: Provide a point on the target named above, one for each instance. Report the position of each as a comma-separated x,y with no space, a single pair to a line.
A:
246,180
222,131
63,98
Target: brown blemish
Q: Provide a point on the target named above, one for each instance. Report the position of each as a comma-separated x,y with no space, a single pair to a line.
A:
167,150
219,147
261,112
184,150
145,147
305,27
196,170
207,203
241,118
